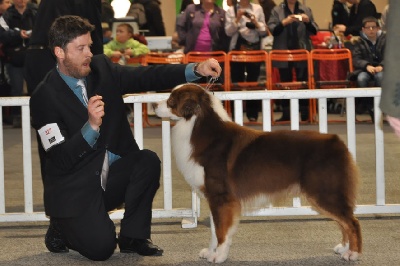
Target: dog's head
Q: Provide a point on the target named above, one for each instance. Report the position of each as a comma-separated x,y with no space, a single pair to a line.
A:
189,100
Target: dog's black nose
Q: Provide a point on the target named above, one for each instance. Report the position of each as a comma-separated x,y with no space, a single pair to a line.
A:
155,105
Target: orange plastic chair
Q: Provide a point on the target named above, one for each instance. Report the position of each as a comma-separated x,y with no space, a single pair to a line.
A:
329,69
154,58
254,56
299,56
134,61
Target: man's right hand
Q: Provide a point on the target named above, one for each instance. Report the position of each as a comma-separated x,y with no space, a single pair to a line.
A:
96,111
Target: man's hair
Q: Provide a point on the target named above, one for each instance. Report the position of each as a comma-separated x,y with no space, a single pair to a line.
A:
65,29
127,26
370,19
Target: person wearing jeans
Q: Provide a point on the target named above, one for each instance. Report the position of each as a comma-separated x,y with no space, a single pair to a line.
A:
368,61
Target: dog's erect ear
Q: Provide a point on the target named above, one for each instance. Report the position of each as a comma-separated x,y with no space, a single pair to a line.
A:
189,108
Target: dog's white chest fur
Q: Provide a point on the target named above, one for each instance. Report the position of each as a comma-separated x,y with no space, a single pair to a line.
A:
182,148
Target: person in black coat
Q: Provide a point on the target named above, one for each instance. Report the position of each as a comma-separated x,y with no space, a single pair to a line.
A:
359,10
155,23
267,6
19,17
93,164
340,13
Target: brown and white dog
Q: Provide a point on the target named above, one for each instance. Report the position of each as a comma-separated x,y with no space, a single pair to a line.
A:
234,166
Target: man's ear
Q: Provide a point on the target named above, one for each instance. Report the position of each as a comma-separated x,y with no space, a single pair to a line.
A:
59,52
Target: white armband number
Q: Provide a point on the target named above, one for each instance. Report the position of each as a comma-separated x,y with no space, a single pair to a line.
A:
50,135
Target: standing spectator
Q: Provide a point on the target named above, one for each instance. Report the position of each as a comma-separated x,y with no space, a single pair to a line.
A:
7,36
291,33
20,16
107,13
368,55
124,46
175,37
229,3
384,16
340,13
245,24
93,162
38,50
359,10
201,28
155,24
267,6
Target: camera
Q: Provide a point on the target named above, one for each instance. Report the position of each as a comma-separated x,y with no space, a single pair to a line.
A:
299,17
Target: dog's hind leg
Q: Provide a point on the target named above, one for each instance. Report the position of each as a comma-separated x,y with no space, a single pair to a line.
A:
225,218
344,245
351,227
351,244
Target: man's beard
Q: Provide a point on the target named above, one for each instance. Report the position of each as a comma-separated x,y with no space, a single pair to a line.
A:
73,70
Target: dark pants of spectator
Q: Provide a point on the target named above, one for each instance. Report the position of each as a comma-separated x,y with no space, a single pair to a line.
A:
247,72
286,75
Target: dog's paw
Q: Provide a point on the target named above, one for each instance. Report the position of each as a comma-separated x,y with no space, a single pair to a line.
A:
350,255
212,256
340,249
205,253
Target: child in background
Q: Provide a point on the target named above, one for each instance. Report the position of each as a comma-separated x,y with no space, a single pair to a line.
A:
124,46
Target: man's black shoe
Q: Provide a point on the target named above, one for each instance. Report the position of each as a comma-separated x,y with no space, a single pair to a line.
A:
54,239
143,247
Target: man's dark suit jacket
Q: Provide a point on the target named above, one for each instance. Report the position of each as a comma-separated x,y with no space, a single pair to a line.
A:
73,168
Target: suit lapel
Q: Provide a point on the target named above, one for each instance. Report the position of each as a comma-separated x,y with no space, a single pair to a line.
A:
66,95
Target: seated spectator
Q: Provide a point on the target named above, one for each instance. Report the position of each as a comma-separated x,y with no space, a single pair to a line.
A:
124,46
368,62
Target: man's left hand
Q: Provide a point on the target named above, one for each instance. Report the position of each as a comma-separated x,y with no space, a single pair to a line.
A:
210,67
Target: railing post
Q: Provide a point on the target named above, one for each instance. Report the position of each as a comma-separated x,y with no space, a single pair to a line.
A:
379,155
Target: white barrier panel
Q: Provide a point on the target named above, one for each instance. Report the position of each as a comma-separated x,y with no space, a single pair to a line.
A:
191,214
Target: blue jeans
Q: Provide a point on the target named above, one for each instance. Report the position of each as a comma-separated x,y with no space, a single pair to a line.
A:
364,79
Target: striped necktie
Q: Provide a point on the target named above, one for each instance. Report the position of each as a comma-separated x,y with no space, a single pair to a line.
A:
105,168
81,84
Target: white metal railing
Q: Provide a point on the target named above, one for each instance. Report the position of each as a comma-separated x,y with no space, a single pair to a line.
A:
190,215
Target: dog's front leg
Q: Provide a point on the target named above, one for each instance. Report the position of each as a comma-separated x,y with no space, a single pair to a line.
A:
224,221
209,252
